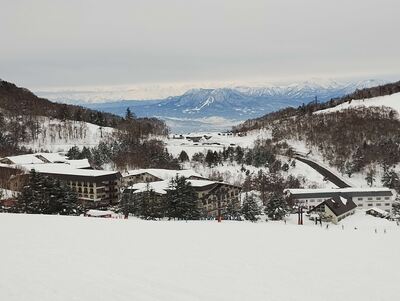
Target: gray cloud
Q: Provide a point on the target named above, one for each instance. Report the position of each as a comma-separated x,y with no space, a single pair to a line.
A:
55,42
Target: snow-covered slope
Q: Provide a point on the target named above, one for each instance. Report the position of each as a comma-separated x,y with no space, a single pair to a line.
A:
60,258
391,101
57,136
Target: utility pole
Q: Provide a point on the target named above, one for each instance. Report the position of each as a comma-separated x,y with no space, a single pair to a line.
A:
300,215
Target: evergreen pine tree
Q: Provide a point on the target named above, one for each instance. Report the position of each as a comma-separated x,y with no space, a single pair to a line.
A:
151,206
390,179
370,178
396,209
73,153
183,156
232,211
276,208
86,154
181,200
45,195
210,159
127,204
250,208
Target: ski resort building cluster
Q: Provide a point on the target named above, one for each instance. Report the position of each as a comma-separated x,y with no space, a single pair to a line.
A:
100,188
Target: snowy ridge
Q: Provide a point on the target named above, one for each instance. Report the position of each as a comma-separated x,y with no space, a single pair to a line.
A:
390,101
234,102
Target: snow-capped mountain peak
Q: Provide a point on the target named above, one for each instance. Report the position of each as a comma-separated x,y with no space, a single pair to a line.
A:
238,102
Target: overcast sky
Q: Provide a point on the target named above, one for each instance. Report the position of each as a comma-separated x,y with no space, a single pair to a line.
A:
46,43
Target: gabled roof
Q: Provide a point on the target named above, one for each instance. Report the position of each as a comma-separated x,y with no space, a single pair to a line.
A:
338,205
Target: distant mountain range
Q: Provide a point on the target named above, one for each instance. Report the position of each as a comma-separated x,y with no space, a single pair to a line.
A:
216,108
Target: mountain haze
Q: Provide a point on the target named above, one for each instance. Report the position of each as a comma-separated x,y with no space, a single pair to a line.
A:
232,103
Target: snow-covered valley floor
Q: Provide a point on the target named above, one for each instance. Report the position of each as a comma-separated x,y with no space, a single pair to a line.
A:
80,258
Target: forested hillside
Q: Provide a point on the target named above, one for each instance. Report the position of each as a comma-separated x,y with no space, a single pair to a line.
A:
27,121
306,109
354,140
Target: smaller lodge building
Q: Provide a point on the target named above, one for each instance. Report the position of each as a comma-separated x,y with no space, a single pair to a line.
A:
334,209
212,196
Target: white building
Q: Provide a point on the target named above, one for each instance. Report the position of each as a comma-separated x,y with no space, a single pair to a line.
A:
364,198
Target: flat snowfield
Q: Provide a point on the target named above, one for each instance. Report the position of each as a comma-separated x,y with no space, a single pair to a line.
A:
80,258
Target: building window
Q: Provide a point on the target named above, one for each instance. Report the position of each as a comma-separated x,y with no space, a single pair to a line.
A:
360,199
370,205
387,198
369,199
387,204
378,204
360,205
378,198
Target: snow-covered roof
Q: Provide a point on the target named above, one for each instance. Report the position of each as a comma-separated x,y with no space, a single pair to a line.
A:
344,200
52,157
82,163
201,183
338,205
25,159
161,187
164,174
65,169
380,211
354,191
45,158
